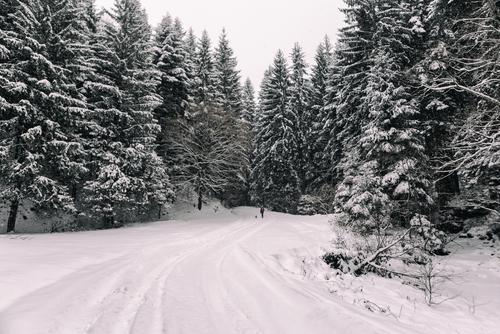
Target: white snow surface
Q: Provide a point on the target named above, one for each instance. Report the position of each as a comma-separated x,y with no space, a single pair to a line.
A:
222,271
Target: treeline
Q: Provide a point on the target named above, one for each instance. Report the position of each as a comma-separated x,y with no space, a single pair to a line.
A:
402,115
102,116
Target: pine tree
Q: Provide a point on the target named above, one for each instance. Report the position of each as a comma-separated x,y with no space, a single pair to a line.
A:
227,78
40,104
353,61
71,49
392,143
320,76
191,45
191,51
299,104
170,58
204,84
439,109
264,86
316,170
248,129
328,133
12,113
127,175
249,105
275,181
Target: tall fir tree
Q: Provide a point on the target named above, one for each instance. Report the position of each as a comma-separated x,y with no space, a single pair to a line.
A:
227,78
264,86
249,105
191,51
328,134
171,60
275,181
353,61
317,168
440,110
43,151
391,146
127,175
248,129
204,82
300,94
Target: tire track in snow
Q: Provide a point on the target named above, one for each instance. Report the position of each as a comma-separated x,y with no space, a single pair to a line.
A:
290,299
193,292
123,316
120,287
141,318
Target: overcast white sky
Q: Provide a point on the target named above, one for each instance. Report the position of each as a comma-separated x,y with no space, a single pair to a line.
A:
256,28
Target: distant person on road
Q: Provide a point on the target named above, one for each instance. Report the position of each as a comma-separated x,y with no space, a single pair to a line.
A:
262,212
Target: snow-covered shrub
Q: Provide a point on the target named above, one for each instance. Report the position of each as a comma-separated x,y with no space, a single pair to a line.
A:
432,239
340,261
380,252
311,205
348,249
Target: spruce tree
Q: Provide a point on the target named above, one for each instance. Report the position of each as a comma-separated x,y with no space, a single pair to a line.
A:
41,104
264,86
191,51
227,78
249,105
204,82
299,104
13,116
170,58
328,134
391,146
353,60
248,129
275,181
127,174
317,169
440,109
191,45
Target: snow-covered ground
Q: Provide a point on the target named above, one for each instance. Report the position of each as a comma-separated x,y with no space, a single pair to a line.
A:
226,272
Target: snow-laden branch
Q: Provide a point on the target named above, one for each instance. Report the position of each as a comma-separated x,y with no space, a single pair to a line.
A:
369,260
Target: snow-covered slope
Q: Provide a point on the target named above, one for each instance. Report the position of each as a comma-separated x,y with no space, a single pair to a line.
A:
223,272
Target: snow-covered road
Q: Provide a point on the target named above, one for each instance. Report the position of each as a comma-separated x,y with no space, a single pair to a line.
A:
228,273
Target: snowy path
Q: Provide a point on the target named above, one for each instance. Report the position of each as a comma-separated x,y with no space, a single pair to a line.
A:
231,274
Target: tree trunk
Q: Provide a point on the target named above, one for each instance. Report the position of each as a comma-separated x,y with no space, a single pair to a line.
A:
11,222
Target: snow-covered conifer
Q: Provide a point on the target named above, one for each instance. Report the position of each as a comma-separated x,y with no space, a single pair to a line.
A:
41,103
204,82
275,181
249,104
126,162
300,94
227,78
392,141
171,60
